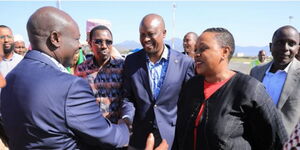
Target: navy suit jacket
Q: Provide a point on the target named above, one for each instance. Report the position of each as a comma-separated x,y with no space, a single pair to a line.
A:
44,108
139,103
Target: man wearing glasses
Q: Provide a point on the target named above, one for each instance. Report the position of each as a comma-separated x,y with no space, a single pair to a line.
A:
9,59
104,72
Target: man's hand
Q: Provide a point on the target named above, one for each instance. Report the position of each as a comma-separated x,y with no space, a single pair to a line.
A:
150,144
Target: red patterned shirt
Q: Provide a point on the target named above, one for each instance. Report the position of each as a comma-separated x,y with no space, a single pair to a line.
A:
106,83
294,142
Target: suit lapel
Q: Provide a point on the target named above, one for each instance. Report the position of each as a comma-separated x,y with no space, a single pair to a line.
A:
290,82
144,73
261,74
36,55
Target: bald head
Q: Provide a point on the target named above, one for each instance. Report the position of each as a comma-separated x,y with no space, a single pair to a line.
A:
152,34
153,20
55,33
285,30
193,35
44,21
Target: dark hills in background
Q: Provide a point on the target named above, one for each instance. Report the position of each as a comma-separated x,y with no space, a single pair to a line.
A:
251,50
246,50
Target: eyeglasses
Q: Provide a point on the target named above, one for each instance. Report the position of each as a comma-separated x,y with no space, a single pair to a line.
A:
100,42
8,36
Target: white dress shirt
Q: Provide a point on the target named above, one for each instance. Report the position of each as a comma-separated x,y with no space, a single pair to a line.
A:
6,65
59,65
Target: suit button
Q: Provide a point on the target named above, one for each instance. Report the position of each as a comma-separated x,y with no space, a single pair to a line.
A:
155,106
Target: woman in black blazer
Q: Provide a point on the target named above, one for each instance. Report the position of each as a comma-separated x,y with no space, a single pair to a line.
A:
225,109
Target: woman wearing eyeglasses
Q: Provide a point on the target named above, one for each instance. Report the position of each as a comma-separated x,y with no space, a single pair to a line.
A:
221,109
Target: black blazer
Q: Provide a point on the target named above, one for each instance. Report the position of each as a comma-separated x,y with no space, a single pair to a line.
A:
238,116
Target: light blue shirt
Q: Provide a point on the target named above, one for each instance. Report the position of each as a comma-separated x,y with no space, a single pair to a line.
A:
274,82
157,72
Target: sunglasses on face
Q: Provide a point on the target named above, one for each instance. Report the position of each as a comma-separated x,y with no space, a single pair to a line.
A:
100,42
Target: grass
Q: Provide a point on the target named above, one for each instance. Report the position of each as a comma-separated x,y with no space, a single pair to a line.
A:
242,59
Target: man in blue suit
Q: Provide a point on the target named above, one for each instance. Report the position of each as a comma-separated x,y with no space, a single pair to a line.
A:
42,106
153,80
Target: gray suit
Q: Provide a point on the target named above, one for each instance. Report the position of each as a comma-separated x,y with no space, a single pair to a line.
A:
289,101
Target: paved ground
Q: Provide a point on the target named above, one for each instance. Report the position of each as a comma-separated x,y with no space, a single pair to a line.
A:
243,67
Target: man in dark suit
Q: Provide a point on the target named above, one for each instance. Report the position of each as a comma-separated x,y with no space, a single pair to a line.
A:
189,44
42,106
281,76
153,78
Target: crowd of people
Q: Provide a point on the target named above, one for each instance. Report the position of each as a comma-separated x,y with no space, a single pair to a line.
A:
53,97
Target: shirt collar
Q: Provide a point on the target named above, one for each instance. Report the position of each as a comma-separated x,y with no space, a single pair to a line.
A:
164,55
13,57
59,65
112,61
286,69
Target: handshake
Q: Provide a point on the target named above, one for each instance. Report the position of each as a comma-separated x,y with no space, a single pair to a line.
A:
150,144
150,140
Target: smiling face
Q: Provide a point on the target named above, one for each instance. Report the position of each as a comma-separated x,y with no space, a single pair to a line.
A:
6,38
75,59
152,34
101,44
284,46
209,54
189,44
70,44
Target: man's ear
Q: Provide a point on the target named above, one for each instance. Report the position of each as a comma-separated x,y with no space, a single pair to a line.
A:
55,38
270,46
165,33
